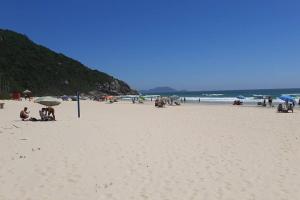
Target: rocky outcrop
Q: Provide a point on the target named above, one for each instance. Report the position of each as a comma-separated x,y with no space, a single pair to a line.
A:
115,87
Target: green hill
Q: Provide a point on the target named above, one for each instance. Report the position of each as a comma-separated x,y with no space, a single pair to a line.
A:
26,65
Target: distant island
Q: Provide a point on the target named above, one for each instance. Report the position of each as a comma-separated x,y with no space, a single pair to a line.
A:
26,65
157,90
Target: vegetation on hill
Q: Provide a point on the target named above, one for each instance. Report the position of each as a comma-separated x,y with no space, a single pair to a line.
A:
26,65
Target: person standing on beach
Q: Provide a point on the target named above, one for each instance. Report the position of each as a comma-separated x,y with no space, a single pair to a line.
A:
199,100
184,99
264,103
270,101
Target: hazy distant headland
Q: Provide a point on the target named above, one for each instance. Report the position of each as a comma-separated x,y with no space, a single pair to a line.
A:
163,89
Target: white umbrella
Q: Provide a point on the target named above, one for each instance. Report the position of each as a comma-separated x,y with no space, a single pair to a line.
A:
27,92
48,101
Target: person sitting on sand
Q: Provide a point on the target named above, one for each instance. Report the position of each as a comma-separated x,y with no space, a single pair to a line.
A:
43,114
24,114
237,102
156,102
50,111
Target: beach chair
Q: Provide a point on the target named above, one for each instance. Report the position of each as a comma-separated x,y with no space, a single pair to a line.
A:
284,109
280,108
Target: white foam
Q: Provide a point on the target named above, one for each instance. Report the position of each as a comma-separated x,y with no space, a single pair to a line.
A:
212,95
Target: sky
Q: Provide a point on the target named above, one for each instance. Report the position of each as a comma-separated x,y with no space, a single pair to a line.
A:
191,45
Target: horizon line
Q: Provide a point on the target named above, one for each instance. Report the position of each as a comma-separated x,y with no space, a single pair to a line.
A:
185,90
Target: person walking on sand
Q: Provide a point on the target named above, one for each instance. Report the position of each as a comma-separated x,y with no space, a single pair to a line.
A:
24,114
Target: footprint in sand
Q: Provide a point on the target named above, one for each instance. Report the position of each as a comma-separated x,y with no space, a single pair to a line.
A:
37,149
228,186
74,178
71,180
22,157
43,173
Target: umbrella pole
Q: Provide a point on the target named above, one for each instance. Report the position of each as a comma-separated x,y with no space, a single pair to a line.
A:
78,105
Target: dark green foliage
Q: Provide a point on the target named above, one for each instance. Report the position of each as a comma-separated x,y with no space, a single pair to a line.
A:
26,65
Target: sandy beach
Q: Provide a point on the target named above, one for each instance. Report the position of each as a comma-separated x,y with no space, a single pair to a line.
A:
128,151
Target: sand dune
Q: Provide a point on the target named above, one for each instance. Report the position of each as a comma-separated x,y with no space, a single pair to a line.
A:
126,151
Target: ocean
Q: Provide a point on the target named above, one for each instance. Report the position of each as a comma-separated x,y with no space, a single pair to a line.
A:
224,96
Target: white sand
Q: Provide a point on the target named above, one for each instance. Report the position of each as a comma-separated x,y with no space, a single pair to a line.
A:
124,151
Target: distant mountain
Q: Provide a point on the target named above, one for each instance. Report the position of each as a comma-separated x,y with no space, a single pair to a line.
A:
159,90
26,65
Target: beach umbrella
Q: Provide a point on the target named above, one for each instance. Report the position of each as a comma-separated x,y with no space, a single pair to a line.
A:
48,101
287,98
240,97
26,92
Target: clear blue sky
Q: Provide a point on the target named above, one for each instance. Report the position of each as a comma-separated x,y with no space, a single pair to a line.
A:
195,45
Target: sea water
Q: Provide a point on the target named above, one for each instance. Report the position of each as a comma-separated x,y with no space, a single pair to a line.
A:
228,96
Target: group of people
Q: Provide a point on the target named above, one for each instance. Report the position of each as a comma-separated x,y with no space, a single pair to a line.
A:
137,99
162,101
159,102
46,114
270,102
